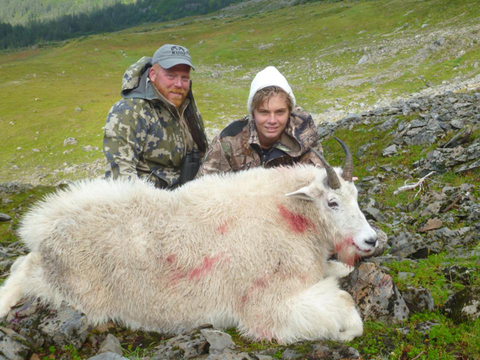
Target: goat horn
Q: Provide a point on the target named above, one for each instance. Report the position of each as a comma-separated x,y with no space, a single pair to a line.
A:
348,166
332,179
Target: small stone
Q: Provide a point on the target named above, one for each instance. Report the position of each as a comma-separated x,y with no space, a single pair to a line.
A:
352,117
431,224
464,305
372,213
405,275
70,141
390,150
291,354
363,60
265,46
108,356
11,346
219,341
5,217
418,299
457,124
111,344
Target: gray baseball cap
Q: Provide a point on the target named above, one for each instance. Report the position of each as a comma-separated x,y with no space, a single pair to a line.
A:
170,55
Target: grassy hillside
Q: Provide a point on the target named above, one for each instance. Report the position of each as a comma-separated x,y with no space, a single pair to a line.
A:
57,92
16,12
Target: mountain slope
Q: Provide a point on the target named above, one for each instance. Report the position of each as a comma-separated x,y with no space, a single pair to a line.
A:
32,22
22,12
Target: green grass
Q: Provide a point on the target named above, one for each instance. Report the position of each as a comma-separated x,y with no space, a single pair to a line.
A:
20,203
407,341
428,274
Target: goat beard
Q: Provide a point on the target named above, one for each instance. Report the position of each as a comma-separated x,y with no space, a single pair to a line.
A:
346,252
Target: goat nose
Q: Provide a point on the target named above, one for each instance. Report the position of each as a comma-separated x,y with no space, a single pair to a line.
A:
372,242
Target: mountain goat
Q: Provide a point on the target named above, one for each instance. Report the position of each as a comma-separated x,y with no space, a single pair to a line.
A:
229,250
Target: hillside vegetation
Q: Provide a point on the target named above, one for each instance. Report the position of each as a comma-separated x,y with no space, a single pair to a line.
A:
32,22
22,12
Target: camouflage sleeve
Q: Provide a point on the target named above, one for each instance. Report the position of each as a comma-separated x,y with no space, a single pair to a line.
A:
216,159
125,133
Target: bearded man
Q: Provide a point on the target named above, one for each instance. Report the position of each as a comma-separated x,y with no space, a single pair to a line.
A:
156,131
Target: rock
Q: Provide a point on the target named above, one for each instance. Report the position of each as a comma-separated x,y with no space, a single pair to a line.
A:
182,347
336,352
458,273
464,305
70,141
387,125
372,213
375,294
66,327
111,344
422,327
390,150
34,337
456,237
352,117
431,224
405,275
89,148
108,356
382,242
232,356
414,246
457,124
265,46
23,313
219,341
474,166
363,60
11,346
432,209
418,299
5,217
291,354
440,41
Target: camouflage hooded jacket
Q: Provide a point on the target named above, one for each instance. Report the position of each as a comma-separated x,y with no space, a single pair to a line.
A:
237,147
143,135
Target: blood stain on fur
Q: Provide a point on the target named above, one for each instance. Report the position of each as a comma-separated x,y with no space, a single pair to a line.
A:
222,229
204,268
297,222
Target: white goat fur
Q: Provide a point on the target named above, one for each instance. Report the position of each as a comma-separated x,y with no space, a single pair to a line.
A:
229,250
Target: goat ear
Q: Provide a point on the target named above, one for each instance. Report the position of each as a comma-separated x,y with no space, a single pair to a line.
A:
308,193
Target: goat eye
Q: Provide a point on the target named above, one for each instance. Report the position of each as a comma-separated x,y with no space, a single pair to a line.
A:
332,204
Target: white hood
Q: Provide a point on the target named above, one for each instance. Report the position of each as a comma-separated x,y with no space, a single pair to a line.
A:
269,76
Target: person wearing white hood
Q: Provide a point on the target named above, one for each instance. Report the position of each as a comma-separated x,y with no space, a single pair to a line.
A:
274,132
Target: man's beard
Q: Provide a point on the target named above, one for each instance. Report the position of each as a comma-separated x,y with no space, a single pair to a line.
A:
165,92
177,101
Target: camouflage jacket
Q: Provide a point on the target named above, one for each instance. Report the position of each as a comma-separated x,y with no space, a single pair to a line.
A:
237,147
143,135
